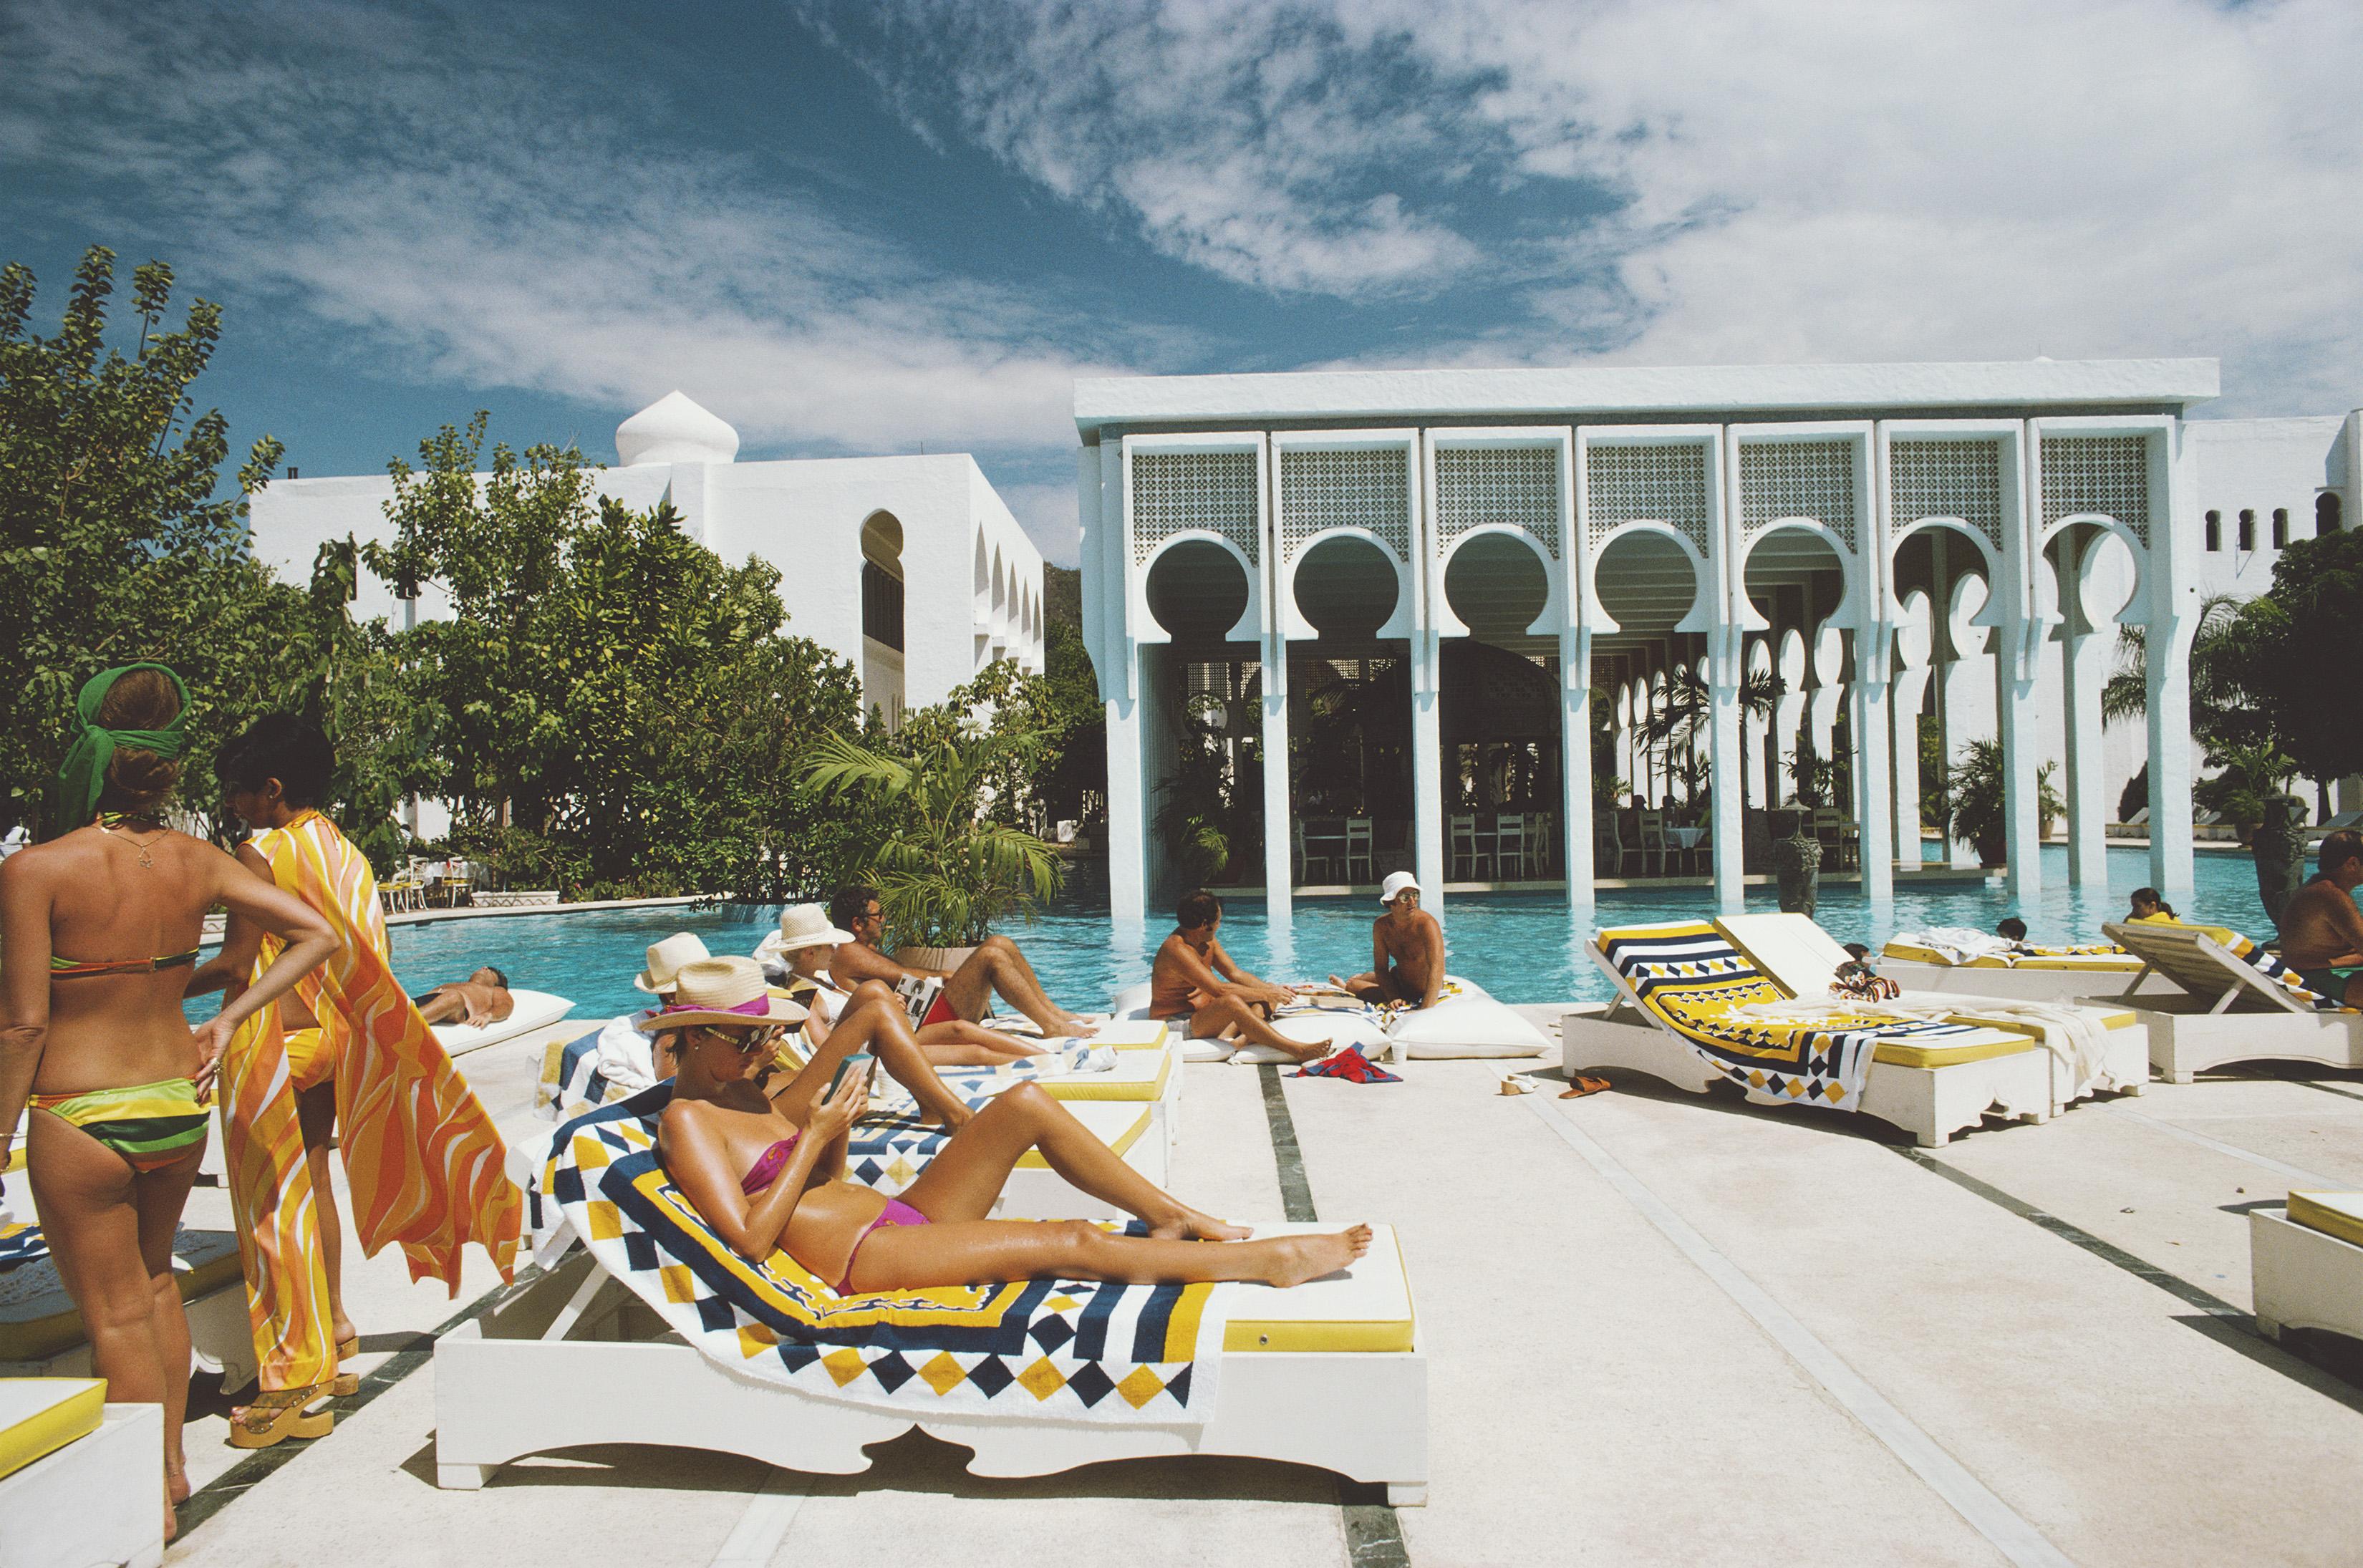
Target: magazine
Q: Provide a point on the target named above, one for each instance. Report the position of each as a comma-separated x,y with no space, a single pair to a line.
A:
919,993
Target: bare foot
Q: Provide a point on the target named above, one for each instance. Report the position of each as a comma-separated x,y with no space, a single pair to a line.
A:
1305,1051
1076,1028
1189,1225
176,1481
1300,1258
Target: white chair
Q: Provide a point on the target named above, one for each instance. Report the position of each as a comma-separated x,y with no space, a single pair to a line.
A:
1654,841
1358,849
1469,852
1509,844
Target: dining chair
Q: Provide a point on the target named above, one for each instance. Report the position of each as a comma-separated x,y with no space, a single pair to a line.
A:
1701,853
1316,850
1608,844
1509,842
1469,852
1358,849
1653,841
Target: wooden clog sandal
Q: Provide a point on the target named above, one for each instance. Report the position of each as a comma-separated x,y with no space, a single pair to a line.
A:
348,1383
277,1416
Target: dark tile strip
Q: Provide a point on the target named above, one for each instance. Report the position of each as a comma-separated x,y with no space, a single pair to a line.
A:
257,1467
1373,1533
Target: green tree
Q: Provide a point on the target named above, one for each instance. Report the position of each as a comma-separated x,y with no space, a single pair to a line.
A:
2296,653
116,541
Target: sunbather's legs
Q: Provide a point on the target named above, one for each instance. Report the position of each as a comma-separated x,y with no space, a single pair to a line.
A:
1225,1013
315,1114
980,1252
110,1231
961,1043
968,1173
1375,989
998,965
882,1028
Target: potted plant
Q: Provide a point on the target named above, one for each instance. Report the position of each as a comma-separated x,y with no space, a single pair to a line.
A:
1973,800
945,868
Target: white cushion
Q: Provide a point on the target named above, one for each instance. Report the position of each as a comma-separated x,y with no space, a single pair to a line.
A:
1469,1024
1131,1002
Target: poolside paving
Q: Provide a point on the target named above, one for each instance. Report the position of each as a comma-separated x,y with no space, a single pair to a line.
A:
1598,1393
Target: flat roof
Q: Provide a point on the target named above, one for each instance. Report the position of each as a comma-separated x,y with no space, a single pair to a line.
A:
1611,390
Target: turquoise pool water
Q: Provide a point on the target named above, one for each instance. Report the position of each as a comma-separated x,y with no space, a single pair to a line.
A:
1522,947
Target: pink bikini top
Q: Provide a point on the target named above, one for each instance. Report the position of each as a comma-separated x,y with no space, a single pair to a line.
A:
767,1166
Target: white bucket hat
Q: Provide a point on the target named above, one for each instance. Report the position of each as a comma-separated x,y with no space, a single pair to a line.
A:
806,926
1396,883
724,992
665,959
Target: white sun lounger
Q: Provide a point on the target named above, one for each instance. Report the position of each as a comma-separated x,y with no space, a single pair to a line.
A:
78,1476
42,1333
1929,1091
1330,1374
2228,1011
528,1010
2306,1263
2053,978
1795,951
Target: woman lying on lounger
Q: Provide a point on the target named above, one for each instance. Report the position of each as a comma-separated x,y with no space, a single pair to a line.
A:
767,1172
807,944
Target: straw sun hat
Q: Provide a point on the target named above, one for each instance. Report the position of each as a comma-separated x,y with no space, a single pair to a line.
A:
725,993
806,926
665,959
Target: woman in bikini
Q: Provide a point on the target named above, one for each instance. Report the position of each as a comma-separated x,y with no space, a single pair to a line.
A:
767,1172
98,930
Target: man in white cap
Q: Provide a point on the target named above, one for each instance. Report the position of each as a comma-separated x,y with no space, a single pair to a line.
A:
1406,950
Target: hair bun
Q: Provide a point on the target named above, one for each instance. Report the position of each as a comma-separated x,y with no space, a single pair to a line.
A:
137,775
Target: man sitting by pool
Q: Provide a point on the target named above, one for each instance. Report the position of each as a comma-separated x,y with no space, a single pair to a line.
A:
1192,978
996,966
2322,930
482,998
1406,950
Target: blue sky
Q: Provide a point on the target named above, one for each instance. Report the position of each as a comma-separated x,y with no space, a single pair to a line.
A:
865,228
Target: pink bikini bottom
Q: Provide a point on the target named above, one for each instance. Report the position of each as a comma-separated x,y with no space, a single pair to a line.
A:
897,1212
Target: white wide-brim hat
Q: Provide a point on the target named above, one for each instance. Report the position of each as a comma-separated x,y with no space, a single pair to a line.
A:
1396,885
665,959
724,993
806,926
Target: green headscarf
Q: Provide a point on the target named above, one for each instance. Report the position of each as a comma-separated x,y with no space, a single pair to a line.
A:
81,778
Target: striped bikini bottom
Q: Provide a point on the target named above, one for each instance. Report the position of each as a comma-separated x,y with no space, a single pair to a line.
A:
150,1125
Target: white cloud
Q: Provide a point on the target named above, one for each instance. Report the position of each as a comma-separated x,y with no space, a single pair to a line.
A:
447,220
1791,178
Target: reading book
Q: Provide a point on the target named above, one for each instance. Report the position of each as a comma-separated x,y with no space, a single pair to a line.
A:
919,993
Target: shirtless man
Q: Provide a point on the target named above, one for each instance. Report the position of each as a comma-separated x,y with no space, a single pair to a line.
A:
1406,950
2322,930
996,966
482,998
1194,976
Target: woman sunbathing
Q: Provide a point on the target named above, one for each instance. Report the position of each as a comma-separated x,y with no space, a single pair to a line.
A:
807,943
767,1173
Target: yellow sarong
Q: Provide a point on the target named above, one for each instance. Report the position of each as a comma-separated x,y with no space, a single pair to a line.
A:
423,1160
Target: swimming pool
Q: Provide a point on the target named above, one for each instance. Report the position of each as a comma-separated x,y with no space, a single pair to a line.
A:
1522,947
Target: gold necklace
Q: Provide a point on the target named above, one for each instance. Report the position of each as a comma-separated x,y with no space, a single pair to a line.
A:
108,822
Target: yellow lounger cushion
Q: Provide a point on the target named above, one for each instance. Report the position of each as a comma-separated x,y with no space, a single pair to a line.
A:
39,1416
2338,1214
1979,1047
1369,1310
1137,1075
1114,1122
37,1319
1131,1033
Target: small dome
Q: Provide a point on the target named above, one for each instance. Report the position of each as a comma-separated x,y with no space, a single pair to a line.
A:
674,430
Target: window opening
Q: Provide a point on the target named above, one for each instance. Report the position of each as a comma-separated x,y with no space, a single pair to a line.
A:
2247,529
2214,532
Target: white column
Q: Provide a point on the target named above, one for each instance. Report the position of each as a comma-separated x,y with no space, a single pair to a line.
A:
2173,609
2083,665
1730,790
2017,637
1279,814
1873,812
1575,763
1127,813
1903,701
1426,768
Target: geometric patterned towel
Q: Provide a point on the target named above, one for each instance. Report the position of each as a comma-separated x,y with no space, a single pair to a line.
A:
20,1243
570,1082
1069,1351
2270,965
1692,977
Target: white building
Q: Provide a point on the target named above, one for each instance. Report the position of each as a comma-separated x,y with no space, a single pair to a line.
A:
1485,549
911,567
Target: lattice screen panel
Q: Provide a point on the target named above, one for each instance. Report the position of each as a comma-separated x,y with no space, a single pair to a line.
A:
1174,492
1365,487
1478,485
2107,474
1797,478
1947,479
1655,485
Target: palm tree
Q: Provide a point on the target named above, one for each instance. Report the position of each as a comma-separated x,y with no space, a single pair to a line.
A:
2214,696
945,871
1682,713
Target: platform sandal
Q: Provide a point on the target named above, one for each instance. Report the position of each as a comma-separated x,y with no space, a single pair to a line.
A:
348,1383
277,1416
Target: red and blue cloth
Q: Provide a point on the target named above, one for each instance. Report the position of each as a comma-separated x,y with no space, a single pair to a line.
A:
1349,1065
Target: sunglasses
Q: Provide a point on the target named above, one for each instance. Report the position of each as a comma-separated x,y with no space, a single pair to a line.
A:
745,1041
